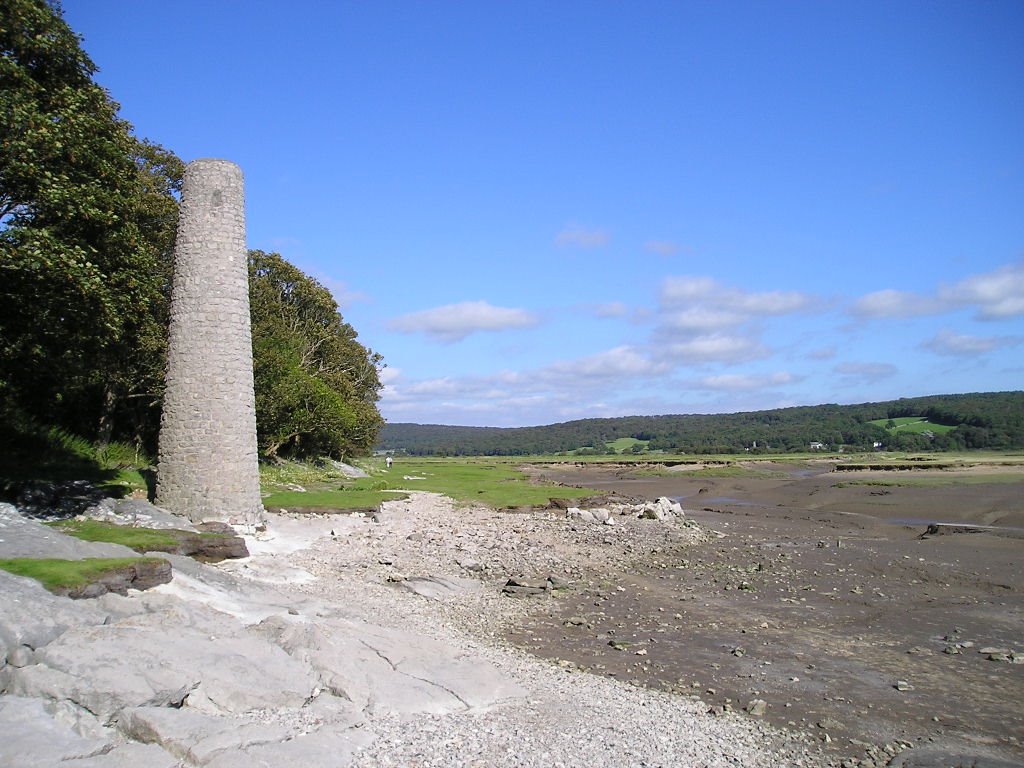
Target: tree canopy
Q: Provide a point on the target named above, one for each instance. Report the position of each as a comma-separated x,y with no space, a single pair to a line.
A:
316,385
87,216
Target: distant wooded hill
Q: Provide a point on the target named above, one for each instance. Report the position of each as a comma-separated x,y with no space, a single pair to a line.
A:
993,420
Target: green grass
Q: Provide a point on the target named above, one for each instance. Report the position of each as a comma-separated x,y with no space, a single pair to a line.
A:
67,574
339,498
139,539
914,425
626,444
494,483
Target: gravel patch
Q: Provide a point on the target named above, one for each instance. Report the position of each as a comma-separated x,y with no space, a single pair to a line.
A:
568,718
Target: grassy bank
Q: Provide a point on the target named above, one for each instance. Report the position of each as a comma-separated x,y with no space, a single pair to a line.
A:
58,575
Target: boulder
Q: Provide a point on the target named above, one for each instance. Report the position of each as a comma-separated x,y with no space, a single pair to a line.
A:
142,574
583,515
138,513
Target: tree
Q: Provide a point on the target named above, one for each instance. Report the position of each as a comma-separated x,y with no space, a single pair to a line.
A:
82,267
316,385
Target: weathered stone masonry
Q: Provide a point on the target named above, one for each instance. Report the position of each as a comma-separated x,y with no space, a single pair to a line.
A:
208,466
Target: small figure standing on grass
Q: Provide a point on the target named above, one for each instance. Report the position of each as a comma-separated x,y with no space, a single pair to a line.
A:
389,461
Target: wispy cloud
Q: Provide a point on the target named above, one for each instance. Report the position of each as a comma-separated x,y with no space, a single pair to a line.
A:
950,343
342,293
715,348
611,309
704,321
822,353
893,303
624,361
866,371
455,322
580,237
735,382
662,247
709,293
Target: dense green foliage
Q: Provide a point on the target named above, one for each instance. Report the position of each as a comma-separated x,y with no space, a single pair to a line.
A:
316,386
987,420
87,225
87,218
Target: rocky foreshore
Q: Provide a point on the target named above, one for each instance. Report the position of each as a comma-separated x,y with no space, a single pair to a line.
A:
343,640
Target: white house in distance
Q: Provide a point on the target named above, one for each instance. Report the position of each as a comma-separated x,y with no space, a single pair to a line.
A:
818,446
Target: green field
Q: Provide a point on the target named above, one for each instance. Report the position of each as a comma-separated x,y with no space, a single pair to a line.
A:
626,444
493,482
912,424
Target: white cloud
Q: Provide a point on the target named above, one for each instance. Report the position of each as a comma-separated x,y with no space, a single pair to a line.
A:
866,371
771,302
580,237
734,382
455,322
678,290
997,295
717,348
707,293
614,363
702,319
892,303
954,344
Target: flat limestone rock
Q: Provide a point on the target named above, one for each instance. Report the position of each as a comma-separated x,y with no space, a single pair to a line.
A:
162,659
33,617
31,736
439,587
385,670
196,737
129,755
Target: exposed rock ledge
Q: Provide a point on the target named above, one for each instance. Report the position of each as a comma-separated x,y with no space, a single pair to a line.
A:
223,668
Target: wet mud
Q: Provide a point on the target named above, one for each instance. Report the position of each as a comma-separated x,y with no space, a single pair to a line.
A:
824,595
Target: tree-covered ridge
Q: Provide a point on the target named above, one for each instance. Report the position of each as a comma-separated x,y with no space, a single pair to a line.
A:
986,420
88,214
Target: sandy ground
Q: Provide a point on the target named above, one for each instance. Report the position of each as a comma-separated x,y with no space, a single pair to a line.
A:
820,595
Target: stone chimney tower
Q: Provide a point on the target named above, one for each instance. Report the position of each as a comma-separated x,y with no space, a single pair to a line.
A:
208,467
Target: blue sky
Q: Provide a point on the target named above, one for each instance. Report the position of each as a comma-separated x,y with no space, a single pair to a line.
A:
543,211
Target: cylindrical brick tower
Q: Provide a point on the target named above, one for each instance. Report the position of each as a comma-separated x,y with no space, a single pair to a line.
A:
208,466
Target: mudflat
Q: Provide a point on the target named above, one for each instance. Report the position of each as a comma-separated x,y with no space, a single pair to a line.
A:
868,608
